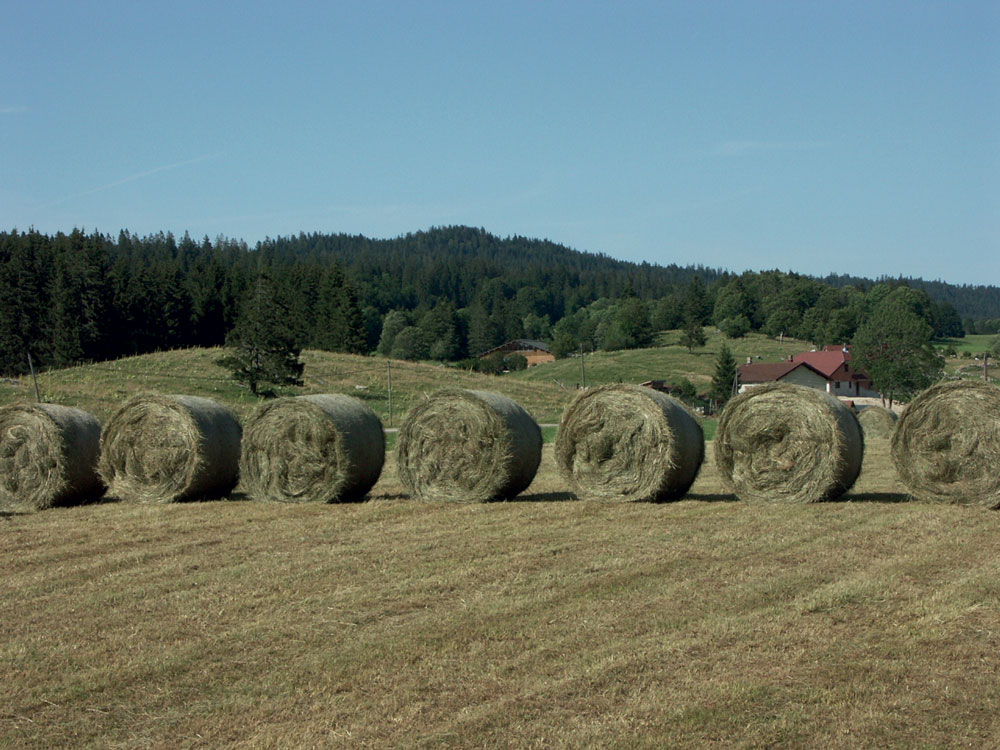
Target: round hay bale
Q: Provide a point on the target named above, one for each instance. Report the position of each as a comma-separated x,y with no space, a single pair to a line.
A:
162,449
48,456
877,423
788,443
467,446
628,442
322,448
946,447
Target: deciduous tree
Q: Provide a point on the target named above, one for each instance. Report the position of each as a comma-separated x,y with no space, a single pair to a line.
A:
893,346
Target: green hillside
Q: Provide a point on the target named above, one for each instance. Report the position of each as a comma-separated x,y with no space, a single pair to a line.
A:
544,391
100,388
669,361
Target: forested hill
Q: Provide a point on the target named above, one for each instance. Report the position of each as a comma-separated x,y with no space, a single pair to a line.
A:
456,263
975,302
453,262
446,293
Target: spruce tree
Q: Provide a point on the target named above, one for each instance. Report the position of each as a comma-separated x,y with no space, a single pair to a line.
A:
340,325
725,374
264,349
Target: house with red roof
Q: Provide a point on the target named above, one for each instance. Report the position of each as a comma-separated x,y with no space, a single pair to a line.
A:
828,369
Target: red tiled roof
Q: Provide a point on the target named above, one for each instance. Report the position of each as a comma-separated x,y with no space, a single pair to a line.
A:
825,362
832,363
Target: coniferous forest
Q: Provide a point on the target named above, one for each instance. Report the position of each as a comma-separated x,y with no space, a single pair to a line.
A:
445,294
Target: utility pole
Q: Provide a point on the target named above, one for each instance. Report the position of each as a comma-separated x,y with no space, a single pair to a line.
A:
388,371
34,378
986,372
583,372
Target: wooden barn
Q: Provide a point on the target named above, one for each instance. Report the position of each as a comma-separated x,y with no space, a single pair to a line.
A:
536,352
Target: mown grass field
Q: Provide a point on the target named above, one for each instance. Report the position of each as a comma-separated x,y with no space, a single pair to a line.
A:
543,622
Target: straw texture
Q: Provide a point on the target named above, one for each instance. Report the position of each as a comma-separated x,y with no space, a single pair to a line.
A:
627,442
324,448
467,446
161,449
788,443
48,456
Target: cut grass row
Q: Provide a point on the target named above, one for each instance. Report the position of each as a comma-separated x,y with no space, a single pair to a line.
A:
544,622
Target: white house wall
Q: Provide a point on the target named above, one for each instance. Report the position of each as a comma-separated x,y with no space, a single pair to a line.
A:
805,376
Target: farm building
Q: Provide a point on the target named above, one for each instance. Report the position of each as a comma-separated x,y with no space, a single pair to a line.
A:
829,370
536,352
658,385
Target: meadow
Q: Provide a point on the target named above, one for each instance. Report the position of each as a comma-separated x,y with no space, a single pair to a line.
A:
546,621
542,622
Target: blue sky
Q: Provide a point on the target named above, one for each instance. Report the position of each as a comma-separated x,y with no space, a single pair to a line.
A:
848,137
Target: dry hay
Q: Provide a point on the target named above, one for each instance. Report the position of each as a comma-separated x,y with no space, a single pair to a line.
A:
321,448
467,446
161,449
48,456
628,442
788,443
877,423
946,447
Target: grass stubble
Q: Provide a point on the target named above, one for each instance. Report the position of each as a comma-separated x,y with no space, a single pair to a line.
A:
541,622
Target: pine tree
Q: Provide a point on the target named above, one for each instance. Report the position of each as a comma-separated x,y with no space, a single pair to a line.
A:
264,349
340,325
697,306
24,299
80,293
724,377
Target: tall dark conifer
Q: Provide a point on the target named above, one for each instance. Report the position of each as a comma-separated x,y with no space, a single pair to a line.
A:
263,345
340,326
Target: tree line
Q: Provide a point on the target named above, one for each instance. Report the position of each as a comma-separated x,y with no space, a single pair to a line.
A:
446,294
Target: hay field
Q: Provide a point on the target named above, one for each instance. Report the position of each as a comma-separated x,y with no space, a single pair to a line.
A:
545,622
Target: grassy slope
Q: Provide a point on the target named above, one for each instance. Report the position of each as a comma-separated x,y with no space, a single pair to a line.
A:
544,391
669,361
546,622
100,388
974,343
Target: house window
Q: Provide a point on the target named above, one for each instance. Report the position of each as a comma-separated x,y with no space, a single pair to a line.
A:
836,384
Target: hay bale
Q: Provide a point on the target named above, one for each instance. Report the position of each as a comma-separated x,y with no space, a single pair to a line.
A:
946,446
322,448
467,446
628,442
161,449
877,423
48,456
788,443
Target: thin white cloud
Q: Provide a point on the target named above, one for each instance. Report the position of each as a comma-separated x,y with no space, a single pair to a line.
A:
15,110
736,148
130,178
